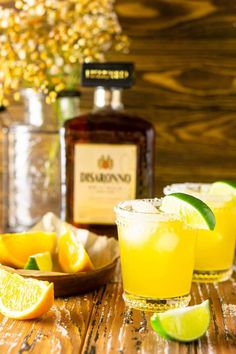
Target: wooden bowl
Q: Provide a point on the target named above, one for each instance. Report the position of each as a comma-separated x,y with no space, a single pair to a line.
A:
103,251
66,284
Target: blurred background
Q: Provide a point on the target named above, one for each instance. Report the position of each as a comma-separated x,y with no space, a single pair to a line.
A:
185,58
184,52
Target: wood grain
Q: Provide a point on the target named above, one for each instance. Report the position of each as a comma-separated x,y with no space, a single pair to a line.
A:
61,330
185,58
99,323
118,329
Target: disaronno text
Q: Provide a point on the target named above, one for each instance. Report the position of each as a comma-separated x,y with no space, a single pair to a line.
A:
105,177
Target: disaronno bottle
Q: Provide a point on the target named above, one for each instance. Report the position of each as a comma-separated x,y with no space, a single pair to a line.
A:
109,154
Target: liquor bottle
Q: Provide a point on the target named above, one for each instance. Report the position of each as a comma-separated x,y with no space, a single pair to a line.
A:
109,154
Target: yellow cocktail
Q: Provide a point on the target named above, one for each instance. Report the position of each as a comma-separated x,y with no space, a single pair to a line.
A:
157,257
214,249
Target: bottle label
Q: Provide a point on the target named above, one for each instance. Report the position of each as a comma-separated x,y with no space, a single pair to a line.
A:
104,175
109,74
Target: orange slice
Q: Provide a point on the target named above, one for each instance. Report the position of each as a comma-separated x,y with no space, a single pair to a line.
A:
72,255
22,298
15,249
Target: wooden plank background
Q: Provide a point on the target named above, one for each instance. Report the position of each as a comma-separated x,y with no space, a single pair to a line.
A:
185,52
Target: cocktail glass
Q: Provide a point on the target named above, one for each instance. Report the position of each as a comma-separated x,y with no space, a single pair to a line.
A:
214,249
157,257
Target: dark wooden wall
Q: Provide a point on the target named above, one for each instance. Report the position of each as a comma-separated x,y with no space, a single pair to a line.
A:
185,56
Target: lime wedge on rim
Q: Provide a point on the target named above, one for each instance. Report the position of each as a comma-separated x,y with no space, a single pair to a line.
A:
185,324
223,188
194,211
39,261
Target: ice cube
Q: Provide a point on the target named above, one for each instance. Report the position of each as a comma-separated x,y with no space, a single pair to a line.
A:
142,206
137,232
167,242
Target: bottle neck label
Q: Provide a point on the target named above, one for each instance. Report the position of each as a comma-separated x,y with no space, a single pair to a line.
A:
104,174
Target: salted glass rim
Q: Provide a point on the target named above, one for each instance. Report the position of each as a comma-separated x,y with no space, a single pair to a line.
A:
124,210
196,187
198,190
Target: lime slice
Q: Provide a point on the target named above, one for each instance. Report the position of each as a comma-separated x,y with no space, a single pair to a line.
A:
185,324
40,261
223,188
193,210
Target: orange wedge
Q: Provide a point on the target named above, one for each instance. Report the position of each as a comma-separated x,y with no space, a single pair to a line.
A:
22,298
72,255
15,249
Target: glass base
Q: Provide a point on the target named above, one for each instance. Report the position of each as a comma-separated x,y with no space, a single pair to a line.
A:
206,276
155,305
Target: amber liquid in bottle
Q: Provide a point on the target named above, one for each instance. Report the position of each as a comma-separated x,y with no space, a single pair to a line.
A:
111,128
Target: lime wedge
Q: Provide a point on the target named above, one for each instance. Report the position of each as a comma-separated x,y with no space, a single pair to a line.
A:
39,261
185,324
223,188
193,210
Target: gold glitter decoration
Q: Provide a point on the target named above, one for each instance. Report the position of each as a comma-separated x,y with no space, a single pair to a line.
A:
43,43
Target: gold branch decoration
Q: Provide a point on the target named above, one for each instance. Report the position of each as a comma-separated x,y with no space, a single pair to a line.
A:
44,42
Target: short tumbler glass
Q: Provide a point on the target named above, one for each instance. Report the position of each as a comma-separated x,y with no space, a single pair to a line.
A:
214,249
157,257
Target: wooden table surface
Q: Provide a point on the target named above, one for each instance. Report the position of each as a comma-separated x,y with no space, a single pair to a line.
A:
99,322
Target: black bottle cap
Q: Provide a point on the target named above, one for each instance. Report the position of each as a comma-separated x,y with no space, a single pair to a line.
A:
120,75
